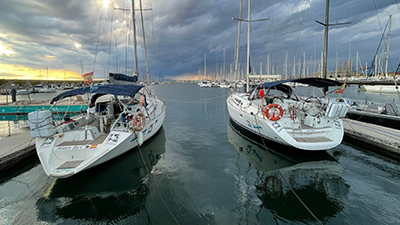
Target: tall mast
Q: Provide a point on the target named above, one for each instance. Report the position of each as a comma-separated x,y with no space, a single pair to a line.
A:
325,54
248,45
144,41
326,38
248,40
387,51
238,43
136,72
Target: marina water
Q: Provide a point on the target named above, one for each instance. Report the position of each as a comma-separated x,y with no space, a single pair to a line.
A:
203,170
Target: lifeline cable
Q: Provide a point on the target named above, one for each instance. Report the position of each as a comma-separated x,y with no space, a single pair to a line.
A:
290,187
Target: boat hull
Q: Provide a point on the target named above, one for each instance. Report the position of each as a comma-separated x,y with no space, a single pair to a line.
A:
248,118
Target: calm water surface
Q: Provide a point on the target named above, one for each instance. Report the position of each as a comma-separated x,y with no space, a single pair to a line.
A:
203,170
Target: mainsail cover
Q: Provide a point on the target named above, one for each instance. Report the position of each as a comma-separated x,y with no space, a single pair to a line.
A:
123,77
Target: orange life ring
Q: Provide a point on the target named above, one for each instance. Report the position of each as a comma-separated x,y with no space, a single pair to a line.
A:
139,121
273,117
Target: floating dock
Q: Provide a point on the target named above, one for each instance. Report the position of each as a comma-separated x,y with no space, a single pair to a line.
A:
383,140
16,148
25,107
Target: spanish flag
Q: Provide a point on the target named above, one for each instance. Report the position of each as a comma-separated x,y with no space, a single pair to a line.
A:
341,89
87,77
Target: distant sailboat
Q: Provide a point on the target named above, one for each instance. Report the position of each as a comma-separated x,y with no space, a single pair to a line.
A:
387,89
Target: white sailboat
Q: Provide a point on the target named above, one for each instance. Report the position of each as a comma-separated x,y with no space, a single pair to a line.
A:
308,123
119,118
205,83
387,89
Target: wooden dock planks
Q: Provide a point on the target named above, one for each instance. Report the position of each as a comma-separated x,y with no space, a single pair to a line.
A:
15,148
378,138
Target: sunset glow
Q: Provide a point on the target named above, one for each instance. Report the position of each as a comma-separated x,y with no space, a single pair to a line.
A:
26,73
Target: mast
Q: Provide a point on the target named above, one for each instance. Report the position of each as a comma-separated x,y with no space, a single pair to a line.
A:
205,66
248,40
325,54
238,43
223,70
294,67
336,64
136,72
286,64
356,65
326,38
144,41
248,44
387,51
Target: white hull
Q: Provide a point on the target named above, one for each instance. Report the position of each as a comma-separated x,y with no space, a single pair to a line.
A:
23,92
205,84
388,89
47,90
67,153
326,134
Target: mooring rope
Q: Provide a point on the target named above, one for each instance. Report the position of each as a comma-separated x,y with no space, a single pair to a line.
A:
284,179
148,172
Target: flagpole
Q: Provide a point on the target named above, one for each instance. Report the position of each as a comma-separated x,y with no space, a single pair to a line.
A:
341,91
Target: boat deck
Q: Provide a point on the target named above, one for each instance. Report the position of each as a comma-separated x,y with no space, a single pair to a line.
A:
312,139
98,140
72,143
70,164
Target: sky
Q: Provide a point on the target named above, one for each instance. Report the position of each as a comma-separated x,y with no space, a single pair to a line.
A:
63,39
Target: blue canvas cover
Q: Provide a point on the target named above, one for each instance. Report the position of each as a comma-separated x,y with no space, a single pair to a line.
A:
123,77
114,89
316,82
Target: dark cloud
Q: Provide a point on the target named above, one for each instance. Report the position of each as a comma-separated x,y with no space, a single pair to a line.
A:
180,32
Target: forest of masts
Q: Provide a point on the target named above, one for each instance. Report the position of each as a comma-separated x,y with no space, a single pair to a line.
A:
300,67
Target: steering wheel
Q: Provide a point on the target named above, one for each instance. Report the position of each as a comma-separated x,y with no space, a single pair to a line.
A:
276,99
312,106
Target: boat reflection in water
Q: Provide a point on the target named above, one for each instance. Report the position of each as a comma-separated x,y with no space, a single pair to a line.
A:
109,193
315,177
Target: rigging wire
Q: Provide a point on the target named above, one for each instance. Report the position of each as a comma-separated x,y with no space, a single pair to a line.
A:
379,45
109,43
154,46
98,40
299,33
284,179
377,15
397,4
